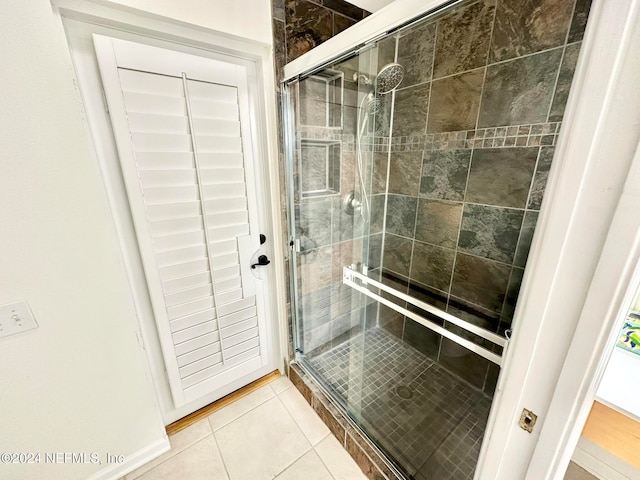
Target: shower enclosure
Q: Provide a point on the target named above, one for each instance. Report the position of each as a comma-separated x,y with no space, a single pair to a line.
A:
417,166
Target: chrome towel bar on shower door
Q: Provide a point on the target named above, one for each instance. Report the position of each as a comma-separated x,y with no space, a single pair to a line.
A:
359,282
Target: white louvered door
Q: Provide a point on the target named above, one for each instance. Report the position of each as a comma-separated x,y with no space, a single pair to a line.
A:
184,137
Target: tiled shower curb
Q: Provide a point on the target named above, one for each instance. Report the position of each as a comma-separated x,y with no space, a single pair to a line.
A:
366,455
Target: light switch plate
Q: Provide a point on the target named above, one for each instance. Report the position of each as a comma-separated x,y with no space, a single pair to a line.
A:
16,318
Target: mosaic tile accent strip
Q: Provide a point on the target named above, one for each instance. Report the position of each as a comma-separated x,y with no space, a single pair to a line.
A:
428,419
531,135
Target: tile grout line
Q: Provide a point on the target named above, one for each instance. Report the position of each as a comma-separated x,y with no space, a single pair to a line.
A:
426,129
573,12
243,414
171,457
488,64
455,255
555,84
444,200
322,459
513,266
224,463
486,69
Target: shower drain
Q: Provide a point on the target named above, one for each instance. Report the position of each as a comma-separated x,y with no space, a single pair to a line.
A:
404,392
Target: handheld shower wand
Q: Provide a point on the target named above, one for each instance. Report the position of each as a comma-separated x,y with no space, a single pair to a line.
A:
388,79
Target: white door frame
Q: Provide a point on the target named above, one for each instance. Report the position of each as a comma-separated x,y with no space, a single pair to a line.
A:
155,30
611,294
595,150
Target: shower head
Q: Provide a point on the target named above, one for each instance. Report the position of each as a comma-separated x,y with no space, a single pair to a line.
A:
389,78
373,104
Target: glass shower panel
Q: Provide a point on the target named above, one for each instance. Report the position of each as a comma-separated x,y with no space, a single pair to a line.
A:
330,193
419,166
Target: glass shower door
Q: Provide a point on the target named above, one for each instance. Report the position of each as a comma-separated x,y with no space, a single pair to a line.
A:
418,170
329,200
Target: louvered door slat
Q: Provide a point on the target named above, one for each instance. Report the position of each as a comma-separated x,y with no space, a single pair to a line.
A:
183,269
198,354
161,195
216,176
206,109
238,338
194,332
211,92
226,285
227,273
192,320
154,104
224,191
171,257
174,226
187,282
201,370
173,210
158,123
224,298
237,204
221,127
189,308
197,372
164,160
168,178
185,296
238,316
243,347
229,218
224,247
221,160
142,82
239,327
196,343
180,240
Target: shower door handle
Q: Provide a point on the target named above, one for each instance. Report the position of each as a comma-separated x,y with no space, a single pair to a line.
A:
262,261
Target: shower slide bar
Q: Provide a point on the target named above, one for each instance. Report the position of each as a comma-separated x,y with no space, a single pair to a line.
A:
350,278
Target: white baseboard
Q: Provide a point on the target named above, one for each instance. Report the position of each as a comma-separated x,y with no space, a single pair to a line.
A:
601,463
133,461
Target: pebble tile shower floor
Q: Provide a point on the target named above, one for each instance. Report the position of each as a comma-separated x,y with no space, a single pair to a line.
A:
431,421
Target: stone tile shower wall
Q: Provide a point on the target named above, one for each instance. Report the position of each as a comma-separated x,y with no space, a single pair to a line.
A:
298,26
475,124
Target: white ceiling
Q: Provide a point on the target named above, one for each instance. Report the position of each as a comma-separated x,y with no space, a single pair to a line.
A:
371,5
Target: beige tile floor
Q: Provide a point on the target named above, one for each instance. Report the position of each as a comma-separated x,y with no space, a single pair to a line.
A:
270,433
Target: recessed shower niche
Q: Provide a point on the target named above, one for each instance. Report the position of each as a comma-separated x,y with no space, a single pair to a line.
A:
320,167
321,100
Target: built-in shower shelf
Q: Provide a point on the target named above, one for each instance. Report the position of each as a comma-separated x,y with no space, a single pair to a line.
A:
319,167
321,99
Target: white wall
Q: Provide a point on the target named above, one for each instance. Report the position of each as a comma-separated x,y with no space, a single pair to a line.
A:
620,385
245,18
79,383
371,5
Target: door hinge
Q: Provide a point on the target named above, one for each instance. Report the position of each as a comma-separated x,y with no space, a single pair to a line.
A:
140,339
104,100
